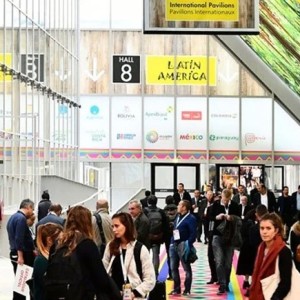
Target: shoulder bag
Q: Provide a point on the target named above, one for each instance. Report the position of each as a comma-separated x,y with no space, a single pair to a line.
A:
270,284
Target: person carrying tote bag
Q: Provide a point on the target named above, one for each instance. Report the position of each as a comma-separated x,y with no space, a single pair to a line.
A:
271,250
269,284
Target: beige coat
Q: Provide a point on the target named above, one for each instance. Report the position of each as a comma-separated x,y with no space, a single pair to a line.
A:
143,287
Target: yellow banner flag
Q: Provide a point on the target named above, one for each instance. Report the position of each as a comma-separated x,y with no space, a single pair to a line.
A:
6,60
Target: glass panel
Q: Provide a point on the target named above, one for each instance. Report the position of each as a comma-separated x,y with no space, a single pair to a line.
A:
94,14
164,183
164,179
127,14
187,175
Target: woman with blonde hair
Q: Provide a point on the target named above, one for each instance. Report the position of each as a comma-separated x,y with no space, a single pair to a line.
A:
272,247
46,236
119,260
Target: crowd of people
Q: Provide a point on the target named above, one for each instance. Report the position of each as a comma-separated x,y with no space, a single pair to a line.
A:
122,252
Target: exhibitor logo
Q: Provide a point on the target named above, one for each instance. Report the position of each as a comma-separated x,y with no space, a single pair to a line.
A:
191,115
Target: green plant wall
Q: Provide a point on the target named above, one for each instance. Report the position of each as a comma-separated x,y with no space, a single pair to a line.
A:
278,43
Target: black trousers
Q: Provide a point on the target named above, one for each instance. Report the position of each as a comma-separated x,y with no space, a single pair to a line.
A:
211,258
28,260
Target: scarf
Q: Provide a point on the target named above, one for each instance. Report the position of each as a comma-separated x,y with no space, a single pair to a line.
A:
264,266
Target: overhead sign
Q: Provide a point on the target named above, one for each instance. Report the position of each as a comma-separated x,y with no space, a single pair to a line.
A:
198,10
33,66
184,70
126,69
198,16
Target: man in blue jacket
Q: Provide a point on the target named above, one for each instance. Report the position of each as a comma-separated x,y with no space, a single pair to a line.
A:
20,239
184,235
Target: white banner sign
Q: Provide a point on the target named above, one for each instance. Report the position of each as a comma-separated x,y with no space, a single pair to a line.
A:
159,123
23,273
126,114
256,124
94,122
191,123
223,124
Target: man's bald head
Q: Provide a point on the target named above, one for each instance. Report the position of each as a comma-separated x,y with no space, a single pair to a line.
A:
102,203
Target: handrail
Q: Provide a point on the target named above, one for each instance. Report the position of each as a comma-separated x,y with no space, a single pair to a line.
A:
131,198
83,201
122,208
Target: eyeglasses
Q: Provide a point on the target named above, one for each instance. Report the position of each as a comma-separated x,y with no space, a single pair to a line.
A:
131,208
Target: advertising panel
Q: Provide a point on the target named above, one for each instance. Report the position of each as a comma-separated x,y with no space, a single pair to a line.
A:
191,124
94,122
159,127
126,132
256,124
223,123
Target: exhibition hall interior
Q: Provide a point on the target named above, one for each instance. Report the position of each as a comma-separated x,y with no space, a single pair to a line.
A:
109,99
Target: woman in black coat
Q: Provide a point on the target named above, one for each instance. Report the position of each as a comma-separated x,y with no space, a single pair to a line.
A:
295,241
247,252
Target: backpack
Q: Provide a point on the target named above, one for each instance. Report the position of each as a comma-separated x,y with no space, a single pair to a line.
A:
103,240
155,224
297,254
63,279
137,258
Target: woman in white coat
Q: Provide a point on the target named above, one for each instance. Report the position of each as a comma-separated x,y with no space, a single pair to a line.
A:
120,261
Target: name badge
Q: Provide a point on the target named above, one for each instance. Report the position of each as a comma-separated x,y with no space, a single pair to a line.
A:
126,292
176,235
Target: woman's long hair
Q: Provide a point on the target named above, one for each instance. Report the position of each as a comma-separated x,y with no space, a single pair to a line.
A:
46,231
129,235
78,227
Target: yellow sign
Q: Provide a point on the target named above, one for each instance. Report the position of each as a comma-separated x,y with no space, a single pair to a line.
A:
182,70
199,10
6,60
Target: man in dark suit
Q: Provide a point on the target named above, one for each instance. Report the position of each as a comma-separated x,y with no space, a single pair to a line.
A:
296,202
265,197
140,221
181,194
53,216
208,227
144,201
198,206
241,192
285,209
244,207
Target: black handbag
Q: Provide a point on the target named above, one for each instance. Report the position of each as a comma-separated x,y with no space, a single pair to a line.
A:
114,292
222,226
192,255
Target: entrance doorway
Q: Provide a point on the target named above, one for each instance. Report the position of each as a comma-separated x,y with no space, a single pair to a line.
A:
165,178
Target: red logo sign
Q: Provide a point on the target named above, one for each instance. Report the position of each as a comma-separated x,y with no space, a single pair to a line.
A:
191,115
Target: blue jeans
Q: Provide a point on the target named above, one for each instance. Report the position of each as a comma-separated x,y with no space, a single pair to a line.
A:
155,257
176,256
223,258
